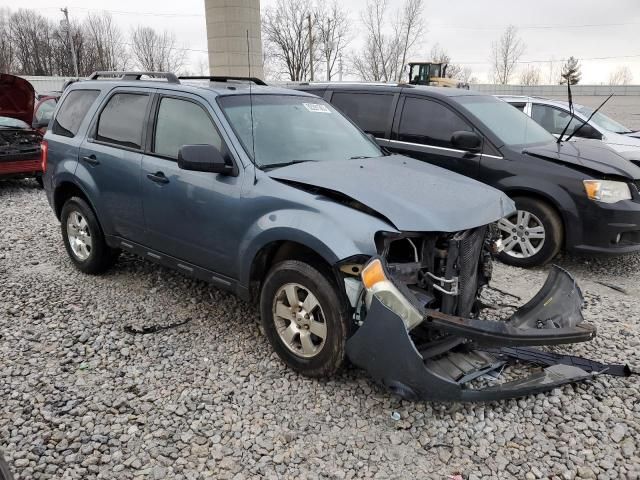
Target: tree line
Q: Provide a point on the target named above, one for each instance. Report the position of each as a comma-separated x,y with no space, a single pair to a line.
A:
302,40
32,44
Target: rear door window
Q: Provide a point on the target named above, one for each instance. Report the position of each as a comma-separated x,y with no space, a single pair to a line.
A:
553,119
73,110
370,111
182,122
122,120
429,123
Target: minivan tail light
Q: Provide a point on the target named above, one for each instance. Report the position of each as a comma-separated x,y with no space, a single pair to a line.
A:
44,153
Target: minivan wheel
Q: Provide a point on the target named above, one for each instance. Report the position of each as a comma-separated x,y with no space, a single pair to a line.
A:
532,236
83,238
304,318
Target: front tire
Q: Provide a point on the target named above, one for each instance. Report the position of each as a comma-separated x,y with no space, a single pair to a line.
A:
532,236
304,318
83,238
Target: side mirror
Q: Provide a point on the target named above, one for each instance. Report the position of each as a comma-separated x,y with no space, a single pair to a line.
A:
587,131
469,141
203,158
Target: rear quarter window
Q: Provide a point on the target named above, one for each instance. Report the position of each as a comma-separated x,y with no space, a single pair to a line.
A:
72,112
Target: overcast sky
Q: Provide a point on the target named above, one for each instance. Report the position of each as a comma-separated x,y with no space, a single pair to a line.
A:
551,29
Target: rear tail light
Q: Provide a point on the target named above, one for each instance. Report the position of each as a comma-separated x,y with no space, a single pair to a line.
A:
44,147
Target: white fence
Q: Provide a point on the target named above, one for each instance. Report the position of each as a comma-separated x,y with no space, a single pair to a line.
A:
559,90
46,84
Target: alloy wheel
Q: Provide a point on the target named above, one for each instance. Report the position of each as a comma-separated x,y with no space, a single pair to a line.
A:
299,320
523,234
79,235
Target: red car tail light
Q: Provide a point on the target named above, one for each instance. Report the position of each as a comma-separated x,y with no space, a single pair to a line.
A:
44,147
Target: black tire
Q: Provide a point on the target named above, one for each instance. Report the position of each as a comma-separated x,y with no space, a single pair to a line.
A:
553,234
39,180
334,313
100,256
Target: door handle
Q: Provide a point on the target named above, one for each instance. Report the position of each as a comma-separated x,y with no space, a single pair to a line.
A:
91,160
157,177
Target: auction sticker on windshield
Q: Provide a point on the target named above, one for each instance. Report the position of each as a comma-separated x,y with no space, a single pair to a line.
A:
316,108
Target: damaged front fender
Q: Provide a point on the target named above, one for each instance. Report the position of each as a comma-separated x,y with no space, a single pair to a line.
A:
443,369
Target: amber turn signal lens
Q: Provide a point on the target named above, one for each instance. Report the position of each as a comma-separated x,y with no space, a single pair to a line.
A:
592,188
372,274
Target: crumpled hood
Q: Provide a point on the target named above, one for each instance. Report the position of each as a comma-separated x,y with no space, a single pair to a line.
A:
591,154
413,195
17,97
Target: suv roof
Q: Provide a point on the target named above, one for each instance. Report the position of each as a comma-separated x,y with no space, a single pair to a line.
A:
218,85
419,89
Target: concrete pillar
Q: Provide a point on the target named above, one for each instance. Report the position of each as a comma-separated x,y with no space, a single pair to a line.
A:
227,25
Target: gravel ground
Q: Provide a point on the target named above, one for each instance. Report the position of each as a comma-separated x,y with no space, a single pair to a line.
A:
81,397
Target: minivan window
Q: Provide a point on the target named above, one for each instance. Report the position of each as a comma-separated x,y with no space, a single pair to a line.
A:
512,127
370,111
122,120
287,128
429,123
553,119
181,122
72,111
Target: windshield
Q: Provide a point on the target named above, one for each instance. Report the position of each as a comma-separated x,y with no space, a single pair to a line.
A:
12,123
509,124
602,121
290,129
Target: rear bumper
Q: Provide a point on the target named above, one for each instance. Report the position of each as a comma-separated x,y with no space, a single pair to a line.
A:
20,168
443,370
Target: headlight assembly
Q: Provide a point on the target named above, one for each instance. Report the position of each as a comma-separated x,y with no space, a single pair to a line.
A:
607,191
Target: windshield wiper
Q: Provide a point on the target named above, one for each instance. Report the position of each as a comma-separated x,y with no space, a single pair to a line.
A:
285,164
590,117
359,157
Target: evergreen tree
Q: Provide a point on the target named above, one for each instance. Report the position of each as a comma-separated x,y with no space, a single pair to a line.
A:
571,72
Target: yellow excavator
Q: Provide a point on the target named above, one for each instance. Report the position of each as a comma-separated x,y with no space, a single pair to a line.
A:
432,74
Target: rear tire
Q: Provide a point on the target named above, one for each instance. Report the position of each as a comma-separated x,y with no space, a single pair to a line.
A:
304,318
83,238
39,180
531,237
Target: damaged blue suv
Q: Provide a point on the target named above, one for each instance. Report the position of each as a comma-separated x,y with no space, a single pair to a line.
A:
276,196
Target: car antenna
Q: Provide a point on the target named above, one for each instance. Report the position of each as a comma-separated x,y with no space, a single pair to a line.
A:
253,136
570,97
590,117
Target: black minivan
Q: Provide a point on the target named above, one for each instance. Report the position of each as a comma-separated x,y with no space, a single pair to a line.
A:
579,195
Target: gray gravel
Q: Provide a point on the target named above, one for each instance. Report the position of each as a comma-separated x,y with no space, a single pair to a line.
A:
82,398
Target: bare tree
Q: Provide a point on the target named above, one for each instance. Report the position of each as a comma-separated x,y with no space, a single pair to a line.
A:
286,32
106,51
621,76
530,75
440,55
409,31
333,32
33,40
505,54
154,51
387,47
6,44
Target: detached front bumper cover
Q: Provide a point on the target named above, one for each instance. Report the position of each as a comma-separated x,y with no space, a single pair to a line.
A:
471,348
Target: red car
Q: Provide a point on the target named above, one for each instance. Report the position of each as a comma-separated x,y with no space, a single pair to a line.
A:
22,152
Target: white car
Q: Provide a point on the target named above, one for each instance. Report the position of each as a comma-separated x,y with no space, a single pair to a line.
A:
553,115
